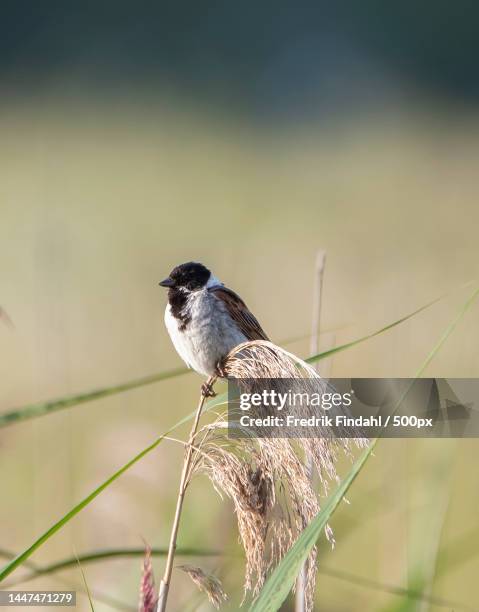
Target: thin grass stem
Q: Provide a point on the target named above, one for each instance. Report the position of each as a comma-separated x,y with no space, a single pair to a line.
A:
300,596
165,582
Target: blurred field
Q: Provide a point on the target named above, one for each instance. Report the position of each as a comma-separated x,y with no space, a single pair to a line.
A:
99,200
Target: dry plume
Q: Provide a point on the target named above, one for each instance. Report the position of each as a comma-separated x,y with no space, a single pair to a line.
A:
265,478
207,583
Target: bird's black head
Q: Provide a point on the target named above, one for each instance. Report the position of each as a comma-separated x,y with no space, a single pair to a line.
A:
191,276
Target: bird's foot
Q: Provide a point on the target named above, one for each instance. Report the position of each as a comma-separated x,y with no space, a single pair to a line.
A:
220,369
207,390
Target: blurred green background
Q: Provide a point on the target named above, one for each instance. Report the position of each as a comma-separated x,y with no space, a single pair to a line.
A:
136,137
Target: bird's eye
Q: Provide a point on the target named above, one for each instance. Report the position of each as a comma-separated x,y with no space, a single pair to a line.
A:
191,285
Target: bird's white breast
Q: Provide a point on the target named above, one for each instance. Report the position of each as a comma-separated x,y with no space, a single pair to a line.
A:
209,335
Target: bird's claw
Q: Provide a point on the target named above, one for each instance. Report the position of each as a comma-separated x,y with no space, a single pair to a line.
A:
220,369
207,390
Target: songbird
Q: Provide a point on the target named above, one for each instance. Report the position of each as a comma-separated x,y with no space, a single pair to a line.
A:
205,319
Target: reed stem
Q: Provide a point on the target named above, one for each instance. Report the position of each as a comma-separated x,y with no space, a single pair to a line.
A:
300,597
165,582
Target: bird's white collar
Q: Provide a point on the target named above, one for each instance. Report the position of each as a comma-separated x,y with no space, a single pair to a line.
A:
213,282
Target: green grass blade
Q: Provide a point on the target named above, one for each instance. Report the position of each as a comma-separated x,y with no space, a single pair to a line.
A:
42,408
22,557
10,567
448,331
111,553
103,597
280,582
85,584
348,345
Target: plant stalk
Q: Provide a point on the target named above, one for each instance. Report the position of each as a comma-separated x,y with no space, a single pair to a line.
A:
300,599
165,582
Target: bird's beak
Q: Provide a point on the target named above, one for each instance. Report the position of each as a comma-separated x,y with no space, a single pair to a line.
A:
168,282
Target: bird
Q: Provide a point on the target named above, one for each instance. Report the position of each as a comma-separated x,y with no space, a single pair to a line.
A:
206,320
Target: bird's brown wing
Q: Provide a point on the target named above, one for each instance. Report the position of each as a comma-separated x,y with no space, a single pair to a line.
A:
240,314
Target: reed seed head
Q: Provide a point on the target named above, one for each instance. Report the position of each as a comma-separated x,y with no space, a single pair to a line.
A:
265,478
148,597
207,583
